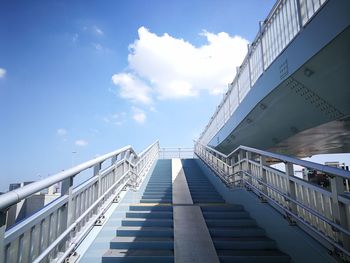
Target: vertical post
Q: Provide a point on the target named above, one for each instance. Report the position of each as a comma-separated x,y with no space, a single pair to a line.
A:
114,160
291,190
68,214
249,69
237,77
261,45
339,209
241,168
248,156
2,235
263,176
97,169
300,20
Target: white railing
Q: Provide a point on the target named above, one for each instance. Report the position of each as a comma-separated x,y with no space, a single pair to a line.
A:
52,233
169,153
285,21
323,211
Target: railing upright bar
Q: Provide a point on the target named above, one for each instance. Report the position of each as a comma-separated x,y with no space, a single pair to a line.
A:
2,235
291,189
324,212
339,209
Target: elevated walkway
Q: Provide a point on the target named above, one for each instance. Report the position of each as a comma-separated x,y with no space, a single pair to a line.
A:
290,95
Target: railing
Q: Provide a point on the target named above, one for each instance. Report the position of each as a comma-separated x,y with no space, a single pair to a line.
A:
168,153
323,210
285,21
55,231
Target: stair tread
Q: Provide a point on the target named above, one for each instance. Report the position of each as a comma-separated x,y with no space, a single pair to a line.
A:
148,228
149,212
242,239
148,219
138,252
249,252
142,239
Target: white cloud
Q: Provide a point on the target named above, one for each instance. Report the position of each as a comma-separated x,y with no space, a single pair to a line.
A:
2,73
97,46
81,143
132,88
62,132
97,30
138,115
116,118
174,68
75,38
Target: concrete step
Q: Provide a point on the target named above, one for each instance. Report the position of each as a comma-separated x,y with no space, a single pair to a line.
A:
158,188
159,184
160,196
203,194
206,200
201,188
142,243
149,214
222,208
257,256
230,222
226,215
157,194
158,191
138,256
236,232
147,222
243,243
136,231
156,200
151,208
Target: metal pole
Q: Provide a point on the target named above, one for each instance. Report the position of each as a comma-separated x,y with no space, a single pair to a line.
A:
2,235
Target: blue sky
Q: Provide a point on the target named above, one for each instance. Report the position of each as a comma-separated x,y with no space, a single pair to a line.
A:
86,77
69,76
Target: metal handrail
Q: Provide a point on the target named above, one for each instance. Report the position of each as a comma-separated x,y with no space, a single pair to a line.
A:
14,196
332,227
75,211
77,221
310,210
290,213
288,159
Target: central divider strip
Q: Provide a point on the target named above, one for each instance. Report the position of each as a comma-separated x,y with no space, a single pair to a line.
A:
192,240
181,192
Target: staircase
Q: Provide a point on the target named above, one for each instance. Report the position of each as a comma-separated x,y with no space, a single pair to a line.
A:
146,234
235,235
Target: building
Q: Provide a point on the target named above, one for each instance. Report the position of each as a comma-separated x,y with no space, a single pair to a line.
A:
30,205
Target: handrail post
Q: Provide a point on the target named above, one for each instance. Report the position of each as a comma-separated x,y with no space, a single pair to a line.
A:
339,209
68,213
263,176
2,235
97,169
291,191
300,19
248,156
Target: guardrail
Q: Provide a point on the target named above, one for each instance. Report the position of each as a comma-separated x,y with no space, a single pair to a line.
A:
286,19
324,212
169,153
52,233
